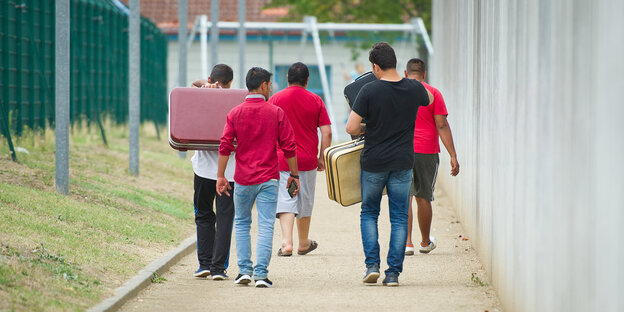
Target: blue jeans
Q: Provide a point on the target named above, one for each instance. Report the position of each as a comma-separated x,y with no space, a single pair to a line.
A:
398,186
265,196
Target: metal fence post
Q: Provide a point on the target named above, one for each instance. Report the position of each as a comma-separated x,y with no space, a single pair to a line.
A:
182,47
214,32
134,83
242,37
203,39
62,95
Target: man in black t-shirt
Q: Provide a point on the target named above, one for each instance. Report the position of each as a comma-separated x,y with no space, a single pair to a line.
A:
390,105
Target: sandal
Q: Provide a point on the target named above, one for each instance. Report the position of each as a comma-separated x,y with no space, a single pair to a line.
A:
284,253
313,245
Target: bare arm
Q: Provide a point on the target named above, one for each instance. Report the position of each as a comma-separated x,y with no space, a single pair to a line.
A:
353,124
223,185
326,137
444,130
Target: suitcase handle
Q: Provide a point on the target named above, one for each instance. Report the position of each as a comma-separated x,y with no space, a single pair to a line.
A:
357,140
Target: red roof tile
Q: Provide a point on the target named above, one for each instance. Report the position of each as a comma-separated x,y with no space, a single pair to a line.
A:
164,13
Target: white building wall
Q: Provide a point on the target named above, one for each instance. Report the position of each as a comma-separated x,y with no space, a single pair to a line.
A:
336,55
535,93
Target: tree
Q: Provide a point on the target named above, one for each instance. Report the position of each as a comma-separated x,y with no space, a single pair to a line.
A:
357,11
360,11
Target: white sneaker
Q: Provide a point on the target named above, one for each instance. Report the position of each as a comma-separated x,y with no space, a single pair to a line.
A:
432,245
242,279
409,250
264,283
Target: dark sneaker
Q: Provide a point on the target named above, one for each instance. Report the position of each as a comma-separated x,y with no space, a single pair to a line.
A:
391,280
219,276
201,272
242,279
371,274
264,283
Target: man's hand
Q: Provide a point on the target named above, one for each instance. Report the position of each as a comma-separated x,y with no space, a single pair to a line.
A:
321,164
296,181
205,84
454,166
199,83
209,85
223,185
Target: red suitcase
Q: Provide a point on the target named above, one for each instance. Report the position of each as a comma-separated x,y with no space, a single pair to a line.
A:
197,116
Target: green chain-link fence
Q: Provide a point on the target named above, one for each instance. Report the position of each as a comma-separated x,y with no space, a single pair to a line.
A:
99,66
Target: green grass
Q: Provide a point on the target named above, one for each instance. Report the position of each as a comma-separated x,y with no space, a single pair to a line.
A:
68,252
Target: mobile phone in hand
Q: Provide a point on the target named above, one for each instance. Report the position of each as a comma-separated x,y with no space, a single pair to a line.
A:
292,188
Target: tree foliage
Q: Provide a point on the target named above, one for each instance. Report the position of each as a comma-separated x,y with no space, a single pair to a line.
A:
357,11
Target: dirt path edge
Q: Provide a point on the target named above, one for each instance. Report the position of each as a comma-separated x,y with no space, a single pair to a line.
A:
143,279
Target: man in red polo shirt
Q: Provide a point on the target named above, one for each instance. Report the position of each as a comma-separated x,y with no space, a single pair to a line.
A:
306,113
431,123
259,129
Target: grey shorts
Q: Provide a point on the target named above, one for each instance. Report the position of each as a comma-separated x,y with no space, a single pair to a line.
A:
425,173
302,204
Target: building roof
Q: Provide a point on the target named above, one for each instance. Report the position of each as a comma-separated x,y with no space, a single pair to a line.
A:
164,13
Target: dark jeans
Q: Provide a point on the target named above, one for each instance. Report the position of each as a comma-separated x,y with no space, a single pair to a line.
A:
213,244
397,184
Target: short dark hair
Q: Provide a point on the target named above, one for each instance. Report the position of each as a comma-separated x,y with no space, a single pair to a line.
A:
298,73
221,73
416,66
256,76
383,55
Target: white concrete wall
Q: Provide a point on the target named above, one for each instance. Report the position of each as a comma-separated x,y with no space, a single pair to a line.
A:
535,92
336,55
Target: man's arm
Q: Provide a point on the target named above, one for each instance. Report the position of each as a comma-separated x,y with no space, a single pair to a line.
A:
444,130
226,147
326,137
353,124
286,142
223,185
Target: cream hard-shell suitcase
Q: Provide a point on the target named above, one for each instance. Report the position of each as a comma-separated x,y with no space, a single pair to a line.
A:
342,169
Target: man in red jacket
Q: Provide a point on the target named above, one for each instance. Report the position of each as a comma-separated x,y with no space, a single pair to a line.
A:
259,128
306,113
431,124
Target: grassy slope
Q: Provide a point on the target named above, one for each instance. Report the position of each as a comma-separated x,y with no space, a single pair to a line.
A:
69,252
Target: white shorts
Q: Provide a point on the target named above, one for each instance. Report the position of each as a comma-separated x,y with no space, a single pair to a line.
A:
302,204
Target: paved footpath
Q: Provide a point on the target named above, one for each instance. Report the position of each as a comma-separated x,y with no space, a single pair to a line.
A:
329,278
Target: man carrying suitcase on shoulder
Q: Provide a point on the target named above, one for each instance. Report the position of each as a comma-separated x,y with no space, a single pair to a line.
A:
259,128
390,105
213,245
306,113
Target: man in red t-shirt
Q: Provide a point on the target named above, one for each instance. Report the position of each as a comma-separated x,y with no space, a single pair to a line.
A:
306,112
431,123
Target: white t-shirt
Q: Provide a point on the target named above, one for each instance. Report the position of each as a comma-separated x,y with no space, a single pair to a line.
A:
206,164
